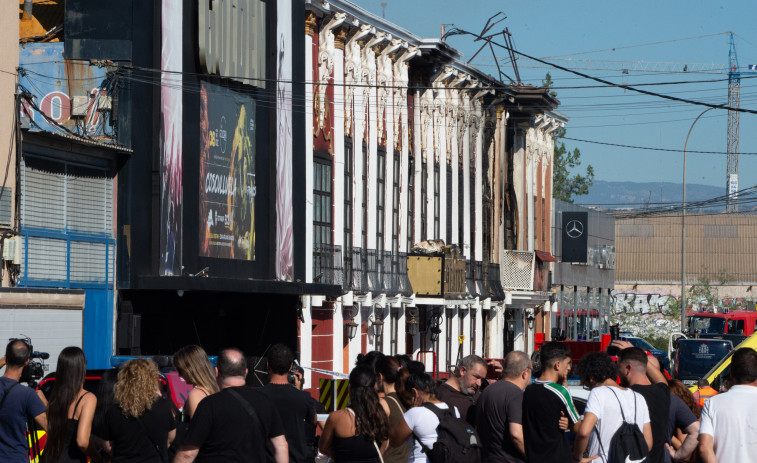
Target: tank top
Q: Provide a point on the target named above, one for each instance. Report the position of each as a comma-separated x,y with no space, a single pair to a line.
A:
355,449
401,453
71,451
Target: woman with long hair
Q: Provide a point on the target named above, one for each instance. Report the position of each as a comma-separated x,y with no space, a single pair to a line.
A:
192,364
359,433
106,398
419,420
387,372
70,412
140,426
678,435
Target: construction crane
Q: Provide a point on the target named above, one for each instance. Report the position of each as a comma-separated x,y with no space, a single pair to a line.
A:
734,101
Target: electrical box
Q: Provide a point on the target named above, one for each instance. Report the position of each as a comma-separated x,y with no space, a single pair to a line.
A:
9,250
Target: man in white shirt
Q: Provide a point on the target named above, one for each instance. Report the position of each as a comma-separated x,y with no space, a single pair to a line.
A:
608,406
728,432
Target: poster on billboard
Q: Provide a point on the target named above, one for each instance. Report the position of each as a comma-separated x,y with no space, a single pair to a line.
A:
171,105
227,174
284,201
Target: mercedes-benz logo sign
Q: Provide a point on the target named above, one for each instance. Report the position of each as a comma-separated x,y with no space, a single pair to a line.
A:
574,229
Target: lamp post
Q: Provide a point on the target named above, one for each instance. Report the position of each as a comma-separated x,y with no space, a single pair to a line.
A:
683,226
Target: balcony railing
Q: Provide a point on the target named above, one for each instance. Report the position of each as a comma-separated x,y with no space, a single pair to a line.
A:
494,283
389,276
404,286
327,265
481,287
470,280
372,270
359,280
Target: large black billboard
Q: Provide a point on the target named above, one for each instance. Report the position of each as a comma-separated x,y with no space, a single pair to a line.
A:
575,232
227,174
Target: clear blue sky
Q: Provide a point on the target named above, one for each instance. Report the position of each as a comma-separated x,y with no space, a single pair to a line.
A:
553,29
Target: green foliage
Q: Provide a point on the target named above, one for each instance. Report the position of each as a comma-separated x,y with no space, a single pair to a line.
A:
658,342
566,184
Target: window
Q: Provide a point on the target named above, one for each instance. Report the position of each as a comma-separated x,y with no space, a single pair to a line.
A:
396,204
322,220
424,202
380,198
437,202
410,200
348,166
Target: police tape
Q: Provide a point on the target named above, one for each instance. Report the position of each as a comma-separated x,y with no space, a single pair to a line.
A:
335,374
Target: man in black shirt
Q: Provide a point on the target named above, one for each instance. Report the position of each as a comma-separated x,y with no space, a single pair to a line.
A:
236,424
499,412
462,388
546,403
651,384
295,407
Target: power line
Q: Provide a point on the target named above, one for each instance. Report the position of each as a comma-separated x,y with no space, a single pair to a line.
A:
619,145
639,45
612,84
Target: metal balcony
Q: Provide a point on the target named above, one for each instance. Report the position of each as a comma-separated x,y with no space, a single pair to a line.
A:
494,283
359,281
327,265
372,269
470,281
389,276
404,286
481,286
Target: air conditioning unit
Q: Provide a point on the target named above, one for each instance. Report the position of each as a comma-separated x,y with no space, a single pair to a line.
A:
9,250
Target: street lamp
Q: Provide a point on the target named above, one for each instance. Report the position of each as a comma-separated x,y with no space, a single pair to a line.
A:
683,226
378,322
351,325
412,324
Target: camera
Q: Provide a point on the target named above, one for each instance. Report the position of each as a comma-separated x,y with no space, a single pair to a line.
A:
35,370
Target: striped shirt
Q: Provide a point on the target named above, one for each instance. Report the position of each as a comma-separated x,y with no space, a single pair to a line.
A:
543,404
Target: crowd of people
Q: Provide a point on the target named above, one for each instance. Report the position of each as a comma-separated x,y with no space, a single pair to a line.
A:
397,412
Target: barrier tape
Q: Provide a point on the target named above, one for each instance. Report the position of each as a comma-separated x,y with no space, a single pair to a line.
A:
335,374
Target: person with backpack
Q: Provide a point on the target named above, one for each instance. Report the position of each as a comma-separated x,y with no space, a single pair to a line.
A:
435,430
616,426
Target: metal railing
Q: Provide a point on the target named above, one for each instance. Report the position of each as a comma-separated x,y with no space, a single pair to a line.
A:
359,280
494,283
404,286
372,270
481,287
327,264
470,281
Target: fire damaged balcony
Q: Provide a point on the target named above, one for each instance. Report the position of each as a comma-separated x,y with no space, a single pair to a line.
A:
494,283
327,265
481,287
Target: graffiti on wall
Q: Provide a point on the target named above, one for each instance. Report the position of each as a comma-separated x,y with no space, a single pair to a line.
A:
641,303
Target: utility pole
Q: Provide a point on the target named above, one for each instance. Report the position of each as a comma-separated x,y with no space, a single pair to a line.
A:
734,101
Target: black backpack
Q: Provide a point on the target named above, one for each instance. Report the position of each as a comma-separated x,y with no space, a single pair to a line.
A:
627,444
457,441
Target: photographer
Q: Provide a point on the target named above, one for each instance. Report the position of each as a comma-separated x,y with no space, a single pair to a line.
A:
17,404
294,406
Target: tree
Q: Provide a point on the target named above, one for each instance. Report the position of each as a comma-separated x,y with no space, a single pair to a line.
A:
566,184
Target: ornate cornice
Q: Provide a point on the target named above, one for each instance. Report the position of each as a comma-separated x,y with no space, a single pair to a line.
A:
310,23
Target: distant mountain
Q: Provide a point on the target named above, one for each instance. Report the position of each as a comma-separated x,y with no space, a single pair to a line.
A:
636,195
